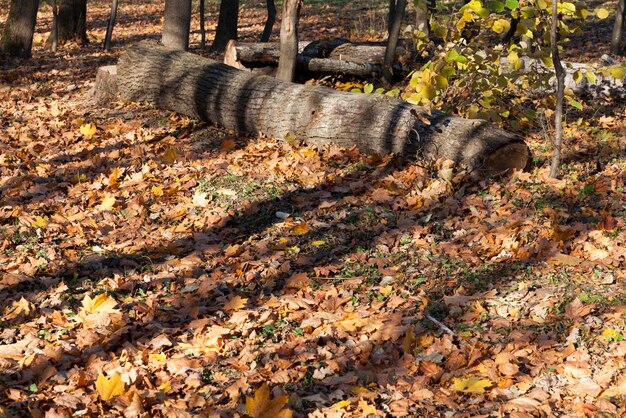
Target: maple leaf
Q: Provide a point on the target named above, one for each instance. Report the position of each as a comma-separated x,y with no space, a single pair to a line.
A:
19,308
157,191
260,406
88,129
102,303
108,201
474,385
235,303
300,228
111,387
40,222
367,408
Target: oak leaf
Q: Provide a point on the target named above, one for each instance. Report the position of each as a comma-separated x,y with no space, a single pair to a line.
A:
111,387
260,406
474,385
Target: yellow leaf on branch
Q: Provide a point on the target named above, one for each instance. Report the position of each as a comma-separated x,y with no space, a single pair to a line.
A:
261,406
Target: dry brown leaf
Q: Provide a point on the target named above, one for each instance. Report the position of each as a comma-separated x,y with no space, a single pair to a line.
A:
576,309
236,303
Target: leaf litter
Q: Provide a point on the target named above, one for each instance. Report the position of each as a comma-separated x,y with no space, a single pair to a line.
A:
154,266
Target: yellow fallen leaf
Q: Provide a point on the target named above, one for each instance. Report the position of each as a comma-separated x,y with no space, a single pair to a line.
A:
89,130
300,228
367,408
111,387
40,222
235,303
199,199
307,152
386,290
170,155
157,191
165,387
318,243
260,406
18,308
158,356
474,385
108,201
102,303
340,404
114,177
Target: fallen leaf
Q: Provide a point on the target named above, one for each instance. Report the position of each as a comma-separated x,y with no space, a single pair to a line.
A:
88,130
111,387
108,201
474,385
102,303
235,303
40,222
260,406
300,228
367,408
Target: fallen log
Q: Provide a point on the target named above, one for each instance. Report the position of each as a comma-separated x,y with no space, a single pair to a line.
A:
261,105
334,56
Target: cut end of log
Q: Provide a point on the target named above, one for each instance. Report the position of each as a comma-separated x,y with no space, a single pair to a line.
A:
230,55
105,88
506,159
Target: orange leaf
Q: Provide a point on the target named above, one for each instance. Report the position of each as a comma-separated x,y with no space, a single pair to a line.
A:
235,303
260,406
227,145
300,228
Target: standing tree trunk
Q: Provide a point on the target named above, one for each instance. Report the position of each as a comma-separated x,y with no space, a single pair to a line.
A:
390,15
392,42
109,34
17,38
269,23
617,38
560,89
288,40
421,17
72,21
176,24
226,25
54,35
202,27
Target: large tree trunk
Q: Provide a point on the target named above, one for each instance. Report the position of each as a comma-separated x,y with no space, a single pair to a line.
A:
226,25
288,40
17,38
72,21
177,20
260,105
617,38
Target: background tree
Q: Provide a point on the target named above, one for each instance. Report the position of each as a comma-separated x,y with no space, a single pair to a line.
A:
17,38
421,15
202,27
288,40
54,34
109,34
226,25
269,23
617,38
392,42
176,24
72,21
560,91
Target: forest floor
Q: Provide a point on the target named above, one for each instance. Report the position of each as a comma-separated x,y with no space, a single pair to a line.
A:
182,268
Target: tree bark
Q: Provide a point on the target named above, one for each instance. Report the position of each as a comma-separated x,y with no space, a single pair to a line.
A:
54,34
260,105
560,90
422,17
17,37
202,27
226,25
111,24
617,37
177,19
269,23
394,34
72,21
288,40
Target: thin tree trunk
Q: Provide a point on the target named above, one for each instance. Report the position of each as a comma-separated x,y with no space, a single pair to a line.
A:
109,34
17,37
392,42
54,36
288,40
269,23
560,88
202,27
72,21
617,38
422,17
391,14
226,25
176,24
